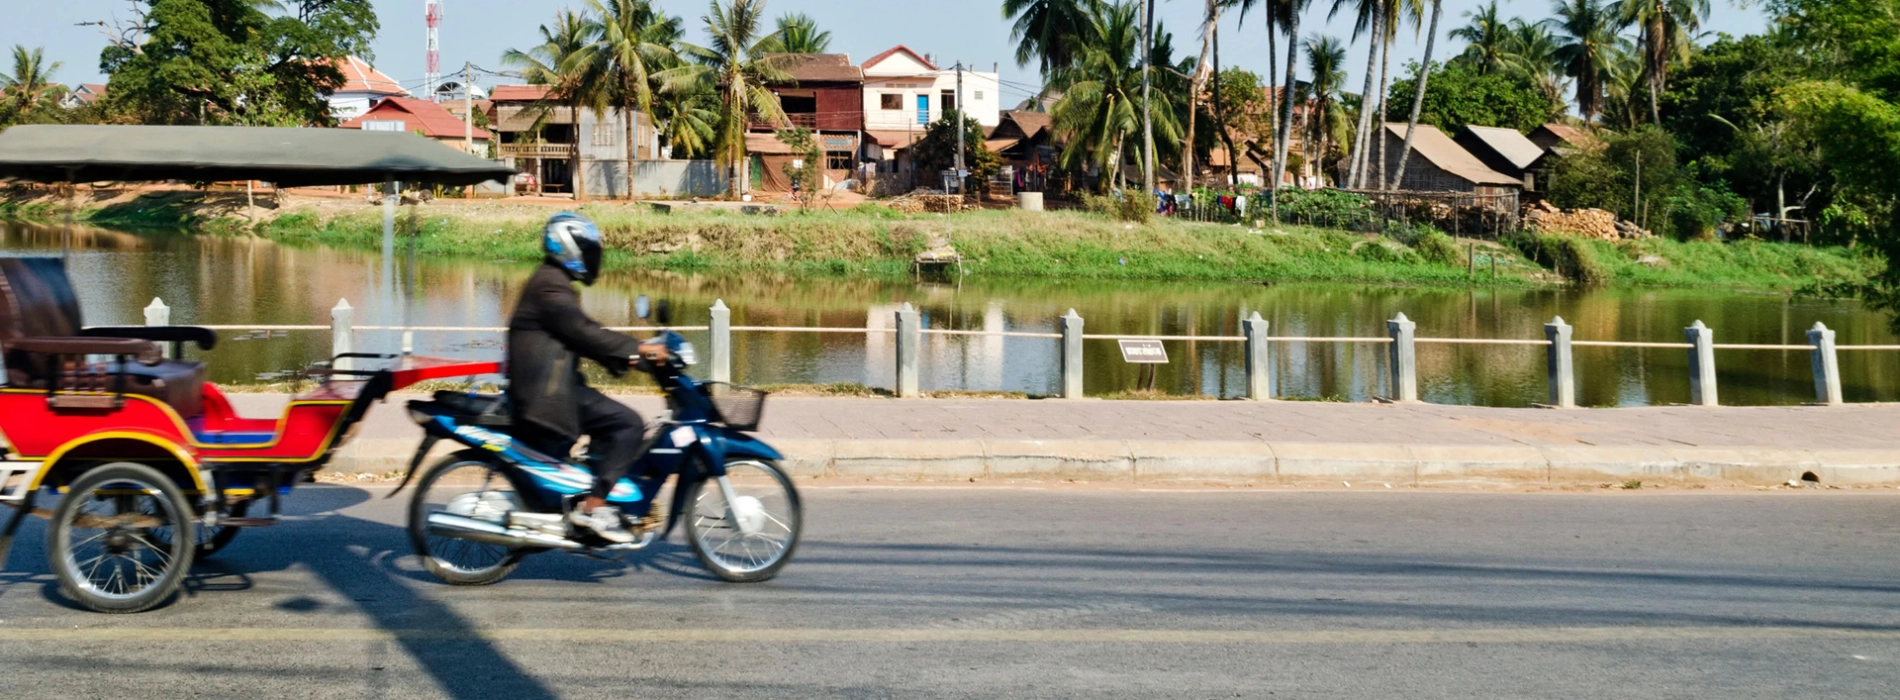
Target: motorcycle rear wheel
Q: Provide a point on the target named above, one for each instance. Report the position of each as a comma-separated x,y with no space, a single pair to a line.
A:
774,514
457,561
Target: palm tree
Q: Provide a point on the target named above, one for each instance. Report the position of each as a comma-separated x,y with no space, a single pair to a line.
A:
32,80
689,121
1370,21
1418,100
1622,82
1531,52
1046,31
1326,61
1101,97
1210,23
559,62
1487,38
1665,32
631,37
799,33
1586,35
736,65
1290,10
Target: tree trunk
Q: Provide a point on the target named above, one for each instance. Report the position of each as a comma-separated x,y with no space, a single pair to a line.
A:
1220,118
1385,71
1656,68
1283,139
1273,69
626,115
1147,115
1194,96
580,173
1355,177
1418,100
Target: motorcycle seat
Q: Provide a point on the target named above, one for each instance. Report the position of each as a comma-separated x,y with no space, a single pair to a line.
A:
486,410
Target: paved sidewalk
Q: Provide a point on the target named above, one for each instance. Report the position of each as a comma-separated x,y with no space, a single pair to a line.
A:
1277,442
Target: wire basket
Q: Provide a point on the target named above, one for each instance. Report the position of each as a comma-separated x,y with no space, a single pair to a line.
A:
739,407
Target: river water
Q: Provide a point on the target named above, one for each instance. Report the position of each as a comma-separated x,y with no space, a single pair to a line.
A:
236,281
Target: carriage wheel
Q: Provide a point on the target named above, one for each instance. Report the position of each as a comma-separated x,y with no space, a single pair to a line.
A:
102,543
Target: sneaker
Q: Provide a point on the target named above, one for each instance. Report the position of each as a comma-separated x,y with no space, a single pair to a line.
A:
603,521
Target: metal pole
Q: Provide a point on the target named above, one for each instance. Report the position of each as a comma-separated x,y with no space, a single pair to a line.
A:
1562,369
390,197
1259,358
721,369
1404,358
468,111
1827,366
908,336
1071,325
1701,364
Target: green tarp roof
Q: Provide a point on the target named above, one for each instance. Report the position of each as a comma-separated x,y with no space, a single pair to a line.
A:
286,156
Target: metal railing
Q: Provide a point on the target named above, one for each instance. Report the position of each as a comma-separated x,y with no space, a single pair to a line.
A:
1400,340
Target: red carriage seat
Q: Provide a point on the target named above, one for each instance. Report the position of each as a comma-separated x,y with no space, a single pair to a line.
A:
44,343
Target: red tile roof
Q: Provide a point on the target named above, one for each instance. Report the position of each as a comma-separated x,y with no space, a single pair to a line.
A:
518,93
900,48
359,76
417,115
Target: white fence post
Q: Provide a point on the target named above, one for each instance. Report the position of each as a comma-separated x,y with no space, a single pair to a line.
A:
1259,358
342,318
1827,366
158,314
720,356
908,336
1404,357
1561,365
1701,364
1071,325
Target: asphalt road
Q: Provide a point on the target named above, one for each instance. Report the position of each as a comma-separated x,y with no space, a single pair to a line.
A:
1059,592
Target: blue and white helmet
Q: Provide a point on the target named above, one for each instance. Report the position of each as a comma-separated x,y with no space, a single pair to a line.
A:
573,243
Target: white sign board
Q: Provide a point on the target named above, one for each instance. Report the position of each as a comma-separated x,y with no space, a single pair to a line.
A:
1144,352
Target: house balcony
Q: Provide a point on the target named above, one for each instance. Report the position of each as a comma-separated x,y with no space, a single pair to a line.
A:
804,119
535,150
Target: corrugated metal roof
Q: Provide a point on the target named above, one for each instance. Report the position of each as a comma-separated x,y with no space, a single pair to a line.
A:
518,93
360,76
1434,146
818,67
1508,143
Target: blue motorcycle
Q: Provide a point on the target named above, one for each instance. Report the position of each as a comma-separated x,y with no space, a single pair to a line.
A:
476,513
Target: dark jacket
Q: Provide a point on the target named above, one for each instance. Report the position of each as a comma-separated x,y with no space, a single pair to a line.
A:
548,336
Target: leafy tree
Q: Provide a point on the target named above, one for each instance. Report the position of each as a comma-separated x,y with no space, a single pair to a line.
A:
1100,105
803,171
1587,42
799,33
1458,95
1049,33
560,62
1723,109
737,67
937,151
632,40
229,62
1666,31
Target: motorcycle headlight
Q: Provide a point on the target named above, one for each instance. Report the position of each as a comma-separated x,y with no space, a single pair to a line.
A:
686,354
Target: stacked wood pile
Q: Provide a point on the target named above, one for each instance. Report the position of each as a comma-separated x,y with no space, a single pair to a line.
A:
927,202
1588,223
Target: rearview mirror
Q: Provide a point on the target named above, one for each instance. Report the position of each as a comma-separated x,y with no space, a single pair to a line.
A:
663,313
641,306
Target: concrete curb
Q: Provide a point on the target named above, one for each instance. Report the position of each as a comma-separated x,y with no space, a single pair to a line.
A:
1272,463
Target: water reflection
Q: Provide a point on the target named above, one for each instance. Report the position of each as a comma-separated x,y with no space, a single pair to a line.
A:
235,281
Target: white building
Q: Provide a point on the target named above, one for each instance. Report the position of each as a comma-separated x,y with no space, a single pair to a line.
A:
363,86
905,91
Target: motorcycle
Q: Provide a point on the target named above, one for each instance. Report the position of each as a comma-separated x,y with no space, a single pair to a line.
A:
477,513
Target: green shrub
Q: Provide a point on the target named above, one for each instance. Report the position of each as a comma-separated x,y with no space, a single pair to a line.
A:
1574,258
1434,246
1378,252
1137,207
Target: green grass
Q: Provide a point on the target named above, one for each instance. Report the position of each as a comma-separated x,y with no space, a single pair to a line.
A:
871,241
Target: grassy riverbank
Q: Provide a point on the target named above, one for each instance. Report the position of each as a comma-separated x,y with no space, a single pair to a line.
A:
874,241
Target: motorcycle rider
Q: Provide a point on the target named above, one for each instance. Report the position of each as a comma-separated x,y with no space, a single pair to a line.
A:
553,406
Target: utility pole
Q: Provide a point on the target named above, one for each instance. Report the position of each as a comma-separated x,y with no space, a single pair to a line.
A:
468,107
1147,118
958,125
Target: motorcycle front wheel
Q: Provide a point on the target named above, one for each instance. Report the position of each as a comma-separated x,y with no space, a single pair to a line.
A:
753,536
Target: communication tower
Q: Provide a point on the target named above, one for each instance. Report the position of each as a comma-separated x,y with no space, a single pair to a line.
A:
433,61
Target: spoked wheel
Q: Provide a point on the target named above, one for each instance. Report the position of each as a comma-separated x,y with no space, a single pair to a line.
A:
753,536
103,544
471,488
209,539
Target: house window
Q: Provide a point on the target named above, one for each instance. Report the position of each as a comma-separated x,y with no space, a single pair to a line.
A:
382,125
979,95
949,100
890,101
603,134
837,160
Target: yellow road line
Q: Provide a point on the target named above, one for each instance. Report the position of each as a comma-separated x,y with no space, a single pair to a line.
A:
1523,635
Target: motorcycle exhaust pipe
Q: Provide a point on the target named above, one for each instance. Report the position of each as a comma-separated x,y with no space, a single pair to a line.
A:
485,532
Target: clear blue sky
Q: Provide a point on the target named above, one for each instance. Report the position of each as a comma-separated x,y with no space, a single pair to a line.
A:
973,31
